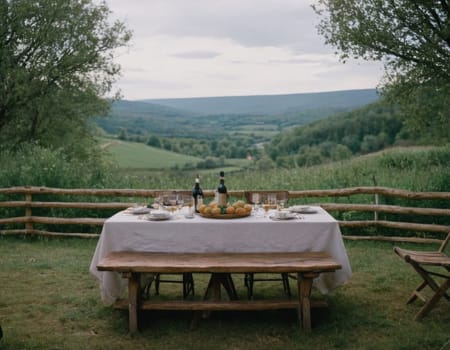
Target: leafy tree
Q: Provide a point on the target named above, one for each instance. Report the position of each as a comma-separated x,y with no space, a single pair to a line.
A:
340,152
123,134
154,141
412,37
56,67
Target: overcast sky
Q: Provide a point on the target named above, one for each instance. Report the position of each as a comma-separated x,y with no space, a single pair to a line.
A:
196,48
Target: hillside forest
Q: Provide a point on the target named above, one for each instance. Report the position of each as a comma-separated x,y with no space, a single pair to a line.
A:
301,138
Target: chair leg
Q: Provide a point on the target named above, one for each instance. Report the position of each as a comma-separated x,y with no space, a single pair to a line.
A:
416,294
157,278
188,285
248,281
441,291
286,287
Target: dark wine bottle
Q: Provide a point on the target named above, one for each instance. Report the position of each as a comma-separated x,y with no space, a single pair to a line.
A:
197,193
222,191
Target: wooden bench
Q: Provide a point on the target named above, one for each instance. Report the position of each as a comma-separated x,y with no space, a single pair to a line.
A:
306,266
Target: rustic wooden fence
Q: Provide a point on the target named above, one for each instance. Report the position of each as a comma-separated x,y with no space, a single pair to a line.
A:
31,201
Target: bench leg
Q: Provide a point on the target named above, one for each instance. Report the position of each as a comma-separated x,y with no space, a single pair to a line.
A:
133,301
304,284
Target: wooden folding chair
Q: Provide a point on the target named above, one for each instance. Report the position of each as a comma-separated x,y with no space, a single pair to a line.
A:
263,197
187,279
420,261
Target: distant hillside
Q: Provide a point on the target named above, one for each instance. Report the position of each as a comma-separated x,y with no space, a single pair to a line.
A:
209,117
360,131
271,104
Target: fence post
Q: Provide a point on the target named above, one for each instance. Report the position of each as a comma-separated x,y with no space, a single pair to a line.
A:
28,212
375,213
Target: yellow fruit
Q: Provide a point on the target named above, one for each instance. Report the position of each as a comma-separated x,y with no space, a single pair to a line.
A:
215,211
230,210
240,211
207,210
239,204
202,208
248,208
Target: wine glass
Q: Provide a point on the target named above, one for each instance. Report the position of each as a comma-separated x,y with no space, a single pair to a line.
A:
180,202
189,202
256,199
281,201
172,203
157,201
266,205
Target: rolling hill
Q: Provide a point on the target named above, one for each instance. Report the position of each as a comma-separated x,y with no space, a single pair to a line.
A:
271,104
211,116
140,156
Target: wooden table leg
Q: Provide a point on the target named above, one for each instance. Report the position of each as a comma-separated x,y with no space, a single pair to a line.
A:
226,281
133,301
213,290
304,284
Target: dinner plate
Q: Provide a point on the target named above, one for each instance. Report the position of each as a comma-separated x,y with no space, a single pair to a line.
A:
140,210
288,216
302,209
158,215
136,211
157,218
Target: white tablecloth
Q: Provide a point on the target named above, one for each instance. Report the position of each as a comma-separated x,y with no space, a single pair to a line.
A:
313,232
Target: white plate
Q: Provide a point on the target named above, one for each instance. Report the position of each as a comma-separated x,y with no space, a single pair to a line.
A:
140,210
302,209
287,216
157,215
136,210
157,218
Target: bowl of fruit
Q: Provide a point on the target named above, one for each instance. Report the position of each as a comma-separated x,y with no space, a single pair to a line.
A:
238,209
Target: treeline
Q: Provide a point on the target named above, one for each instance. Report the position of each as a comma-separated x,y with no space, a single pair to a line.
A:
360,131
226,146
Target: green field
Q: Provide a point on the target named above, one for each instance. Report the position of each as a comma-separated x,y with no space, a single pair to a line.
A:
137,157
140,156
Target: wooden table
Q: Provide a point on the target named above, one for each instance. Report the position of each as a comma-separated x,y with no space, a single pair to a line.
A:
312,233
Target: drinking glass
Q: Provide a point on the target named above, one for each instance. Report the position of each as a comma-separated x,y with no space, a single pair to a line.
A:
189,202
256,199
157,201
281,201
180,202
266,207
173,203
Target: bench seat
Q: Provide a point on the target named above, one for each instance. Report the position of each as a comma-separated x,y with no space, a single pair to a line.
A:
307,266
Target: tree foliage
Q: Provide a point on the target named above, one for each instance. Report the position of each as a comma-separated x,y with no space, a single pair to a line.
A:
361,131
412,37
56,67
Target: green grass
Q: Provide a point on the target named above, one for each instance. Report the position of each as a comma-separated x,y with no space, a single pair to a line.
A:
410,169
48,300
136,155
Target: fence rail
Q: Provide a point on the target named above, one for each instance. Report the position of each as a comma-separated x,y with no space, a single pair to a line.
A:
128,196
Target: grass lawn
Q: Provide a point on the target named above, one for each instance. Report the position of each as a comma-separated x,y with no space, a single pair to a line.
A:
48,300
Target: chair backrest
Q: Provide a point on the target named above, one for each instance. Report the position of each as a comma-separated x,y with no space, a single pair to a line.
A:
444,243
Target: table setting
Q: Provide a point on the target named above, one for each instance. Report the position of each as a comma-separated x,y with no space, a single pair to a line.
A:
278,229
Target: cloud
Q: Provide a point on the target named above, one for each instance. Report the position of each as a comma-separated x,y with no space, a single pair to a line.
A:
197,54
249,23
229,47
